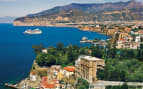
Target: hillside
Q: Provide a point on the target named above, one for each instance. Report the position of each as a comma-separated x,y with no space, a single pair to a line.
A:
75,12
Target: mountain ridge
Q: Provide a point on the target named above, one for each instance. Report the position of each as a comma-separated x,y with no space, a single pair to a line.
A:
119,11
96,6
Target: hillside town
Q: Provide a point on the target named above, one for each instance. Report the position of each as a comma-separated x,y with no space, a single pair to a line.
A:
122,36
56,77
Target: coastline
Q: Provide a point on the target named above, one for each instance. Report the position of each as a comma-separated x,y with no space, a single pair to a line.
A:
20,84
33,64
73,26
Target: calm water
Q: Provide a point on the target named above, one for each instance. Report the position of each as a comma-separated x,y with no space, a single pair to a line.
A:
16,54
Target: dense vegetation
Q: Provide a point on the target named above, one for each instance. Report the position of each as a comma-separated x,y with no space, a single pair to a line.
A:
59,55
121,64
82,84
124,86
122,70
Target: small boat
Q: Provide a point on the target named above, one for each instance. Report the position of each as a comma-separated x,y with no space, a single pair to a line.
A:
36,31
84,38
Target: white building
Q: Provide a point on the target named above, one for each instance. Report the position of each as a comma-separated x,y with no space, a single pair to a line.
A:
33,76
44,51
68,71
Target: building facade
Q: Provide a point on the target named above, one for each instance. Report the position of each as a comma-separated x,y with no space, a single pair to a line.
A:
86,68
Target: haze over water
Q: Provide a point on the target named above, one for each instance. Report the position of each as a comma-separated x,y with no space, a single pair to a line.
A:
16,53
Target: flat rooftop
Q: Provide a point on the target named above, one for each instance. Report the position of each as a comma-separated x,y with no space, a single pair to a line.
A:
90,58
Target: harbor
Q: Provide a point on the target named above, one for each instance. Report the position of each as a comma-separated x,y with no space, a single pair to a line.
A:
94,42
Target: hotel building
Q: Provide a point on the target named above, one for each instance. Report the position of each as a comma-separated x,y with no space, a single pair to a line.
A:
86,68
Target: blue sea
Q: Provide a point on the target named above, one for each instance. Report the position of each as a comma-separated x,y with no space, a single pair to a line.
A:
17,55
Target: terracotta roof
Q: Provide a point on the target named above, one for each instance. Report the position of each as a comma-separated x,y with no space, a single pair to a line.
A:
33,73
122,40
47,85
44,78
69,68
140,31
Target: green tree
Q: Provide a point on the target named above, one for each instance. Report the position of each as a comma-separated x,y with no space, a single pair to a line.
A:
45,59
60,46
96,52
112,52
124,86
140,53
37,48
82,84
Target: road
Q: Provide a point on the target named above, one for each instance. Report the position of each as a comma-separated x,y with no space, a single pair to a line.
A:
116,83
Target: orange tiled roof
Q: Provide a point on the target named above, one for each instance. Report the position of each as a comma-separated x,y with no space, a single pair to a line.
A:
122,40
69,68
47,85
44,78
140,31
33,73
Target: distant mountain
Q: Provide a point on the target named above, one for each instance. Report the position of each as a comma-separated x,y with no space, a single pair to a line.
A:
131,10
7,19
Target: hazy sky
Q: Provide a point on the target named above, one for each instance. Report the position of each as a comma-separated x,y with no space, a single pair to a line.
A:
24,7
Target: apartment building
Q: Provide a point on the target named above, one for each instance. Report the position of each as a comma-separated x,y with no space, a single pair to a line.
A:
86,67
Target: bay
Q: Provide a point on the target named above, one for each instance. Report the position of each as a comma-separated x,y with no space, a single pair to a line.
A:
17,55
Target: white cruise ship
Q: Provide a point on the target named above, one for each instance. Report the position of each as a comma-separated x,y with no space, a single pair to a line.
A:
36,31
